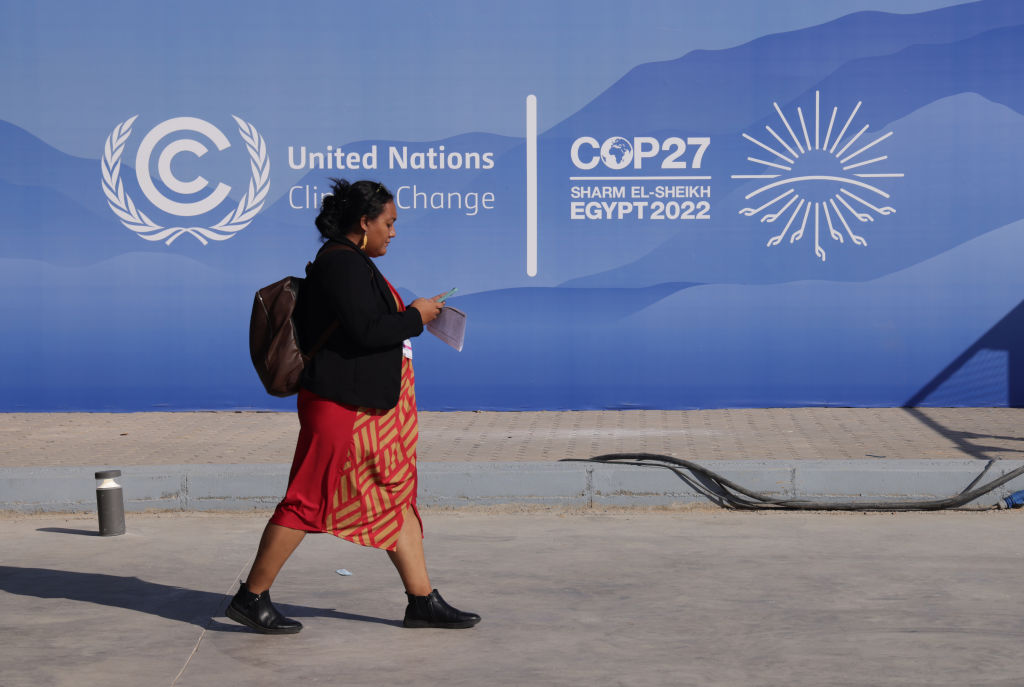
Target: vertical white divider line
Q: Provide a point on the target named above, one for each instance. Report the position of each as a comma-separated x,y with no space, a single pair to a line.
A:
531,185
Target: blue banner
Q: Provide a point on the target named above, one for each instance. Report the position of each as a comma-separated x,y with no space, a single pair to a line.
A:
643,205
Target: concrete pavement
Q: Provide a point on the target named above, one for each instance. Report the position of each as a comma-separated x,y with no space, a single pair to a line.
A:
585,597
573,589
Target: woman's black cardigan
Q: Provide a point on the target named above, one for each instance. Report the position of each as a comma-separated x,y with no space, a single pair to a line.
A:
361,363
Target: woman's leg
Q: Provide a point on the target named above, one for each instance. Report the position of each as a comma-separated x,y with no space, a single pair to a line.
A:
408,557
426,607
276,545
251,605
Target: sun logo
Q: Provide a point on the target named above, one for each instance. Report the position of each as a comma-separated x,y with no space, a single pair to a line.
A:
818,180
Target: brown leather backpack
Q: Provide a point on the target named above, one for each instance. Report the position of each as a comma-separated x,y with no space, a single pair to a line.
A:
273,338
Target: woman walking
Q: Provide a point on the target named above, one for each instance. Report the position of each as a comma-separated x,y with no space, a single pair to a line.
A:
354,470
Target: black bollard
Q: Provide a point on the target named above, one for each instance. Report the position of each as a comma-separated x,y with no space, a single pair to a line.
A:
110,503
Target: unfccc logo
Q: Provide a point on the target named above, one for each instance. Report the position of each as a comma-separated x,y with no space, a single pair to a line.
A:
124,207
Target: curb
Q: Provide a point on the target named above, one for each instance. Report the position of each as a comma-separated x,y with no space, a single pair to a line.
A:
259,487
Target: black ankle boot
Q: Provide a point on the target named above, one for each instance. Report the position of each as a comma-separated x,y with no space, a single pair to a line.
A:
433,611
256,611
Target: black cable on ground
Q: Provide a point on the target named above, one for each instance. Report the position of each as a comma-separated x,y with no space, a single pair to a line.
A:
730,494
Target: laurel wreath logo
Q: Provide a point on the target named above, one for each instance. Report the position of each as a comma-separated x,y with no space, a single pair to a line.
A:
136,220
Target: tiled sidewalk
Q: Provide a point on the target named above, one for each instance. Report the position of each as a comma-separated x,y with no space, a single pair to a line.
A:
232,438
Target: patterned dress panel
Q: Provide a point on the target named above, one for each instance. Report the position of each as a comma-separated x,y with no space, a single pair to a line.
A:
376,483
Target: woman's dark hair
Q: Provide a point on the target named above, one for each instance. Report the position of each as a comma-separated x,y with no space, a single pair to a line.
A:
341,211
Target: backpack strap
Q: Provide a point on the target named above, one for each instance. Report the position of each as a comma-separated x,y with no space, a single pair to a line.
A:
322,341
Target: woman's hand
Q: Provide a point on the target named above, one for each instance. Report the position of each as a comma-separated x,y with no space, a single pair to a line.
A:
429,308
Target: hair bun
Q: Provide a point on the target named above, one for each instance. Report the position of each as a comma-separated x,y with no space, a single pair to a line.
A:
340,211
341,189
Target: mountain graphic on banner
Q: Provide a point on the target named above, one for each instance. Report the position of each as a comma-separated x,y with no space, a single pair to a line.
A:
803,343
722,91
622,313
486,251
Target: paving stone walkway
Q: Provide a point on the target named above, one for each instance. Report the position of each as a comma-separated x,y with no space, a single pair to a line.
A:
218,438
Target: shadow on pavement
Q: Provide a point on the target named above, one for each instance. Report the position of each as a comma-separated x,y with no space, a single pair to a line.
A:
967,442
131,593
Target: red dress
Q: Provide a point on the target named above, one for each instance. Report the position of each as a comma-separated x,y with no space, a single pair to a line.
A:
354,470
